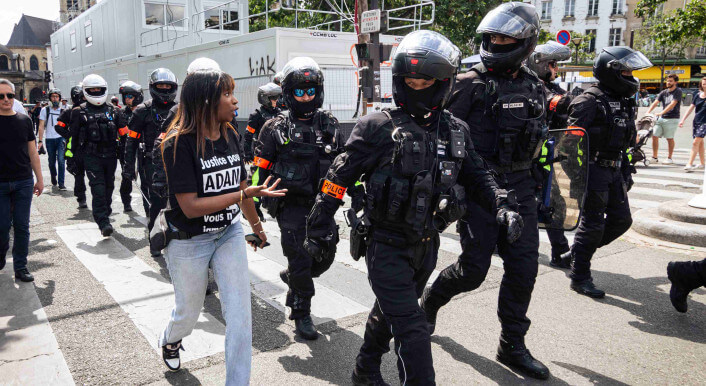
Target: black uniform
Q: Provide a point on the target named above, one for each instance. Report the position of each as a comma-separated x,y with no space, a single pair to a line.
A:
505,120
97,130
557,114
610,122
73,155
299,152
144,128
255,123
125,183
404,183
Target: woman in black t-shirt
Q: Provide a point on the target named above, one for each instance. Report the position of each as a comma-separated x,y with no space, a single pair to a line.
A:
206,179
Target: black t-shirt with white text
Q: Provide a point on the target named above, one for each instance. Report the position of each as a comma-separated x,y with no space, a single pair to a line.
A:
16,131
218,170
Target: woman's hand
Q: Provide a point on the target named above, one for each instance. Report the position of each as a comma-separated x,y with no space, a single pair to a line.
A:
265,191
681,123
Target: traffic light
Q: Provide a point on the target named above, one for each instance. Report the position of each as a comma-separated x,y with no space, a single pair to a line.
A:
47,76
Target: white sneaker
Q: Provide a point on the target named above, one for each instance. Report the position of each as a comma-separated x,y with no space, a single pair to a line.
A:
655,160
668,161
689,168
170,355
699,167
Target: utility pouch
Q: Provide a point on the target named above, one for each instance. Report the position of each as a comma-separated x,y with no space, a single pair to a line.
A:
410,155
296,177
420,202
374,196
94,134
506,148
396,198
359,234
448,173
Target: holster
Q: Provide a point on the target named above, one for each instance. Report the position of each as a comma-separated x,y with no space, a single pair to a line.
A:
359,234
273,205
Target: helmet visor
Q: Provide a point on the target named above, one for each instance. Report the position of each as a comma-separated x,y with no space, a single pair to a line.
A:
299,63
552,51
498,21
271,90
95,91
633,62
431,41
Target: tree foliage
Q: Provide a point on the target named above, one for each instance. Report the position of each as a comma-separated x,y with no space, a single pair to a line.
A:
584,55
672,32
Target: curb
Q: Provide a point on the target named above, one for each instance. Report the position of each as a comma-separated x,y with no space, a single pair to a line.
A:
649,223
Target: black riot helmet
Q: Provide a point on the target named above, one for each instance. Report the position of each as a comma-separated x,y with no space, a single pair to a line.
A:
268,92
610,63
302,73
163,76
516,20
544,54
133,89
77,95
426,55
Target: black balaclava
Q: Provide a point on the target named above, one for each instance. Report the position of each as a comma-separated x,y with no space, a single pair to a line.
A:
420,102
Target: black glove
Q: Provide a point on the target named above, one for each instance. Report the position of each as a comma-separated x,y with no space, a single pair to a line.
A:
71,166
128,175
512,220
322,248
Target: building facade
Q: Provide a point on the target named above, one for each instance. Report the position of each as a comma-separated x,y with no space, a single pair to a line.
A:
604,19
69,9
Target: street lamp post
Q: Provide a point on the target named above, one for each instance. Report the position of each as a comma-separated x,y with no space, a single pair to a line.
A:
577,42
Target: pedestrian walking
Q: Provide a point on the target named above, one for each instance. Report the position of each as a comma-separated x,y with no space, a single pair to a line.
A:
668,118
18,160
206,176
699,131
55,144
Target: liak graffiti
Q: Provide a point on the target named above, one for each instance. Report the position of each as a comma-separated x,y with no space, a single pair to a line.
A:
263,66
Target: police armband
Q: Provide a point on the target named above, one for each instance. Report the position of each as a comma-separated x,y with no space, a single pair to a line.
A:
123,131
554,102
576,130
262,163
250,129
133,134
332,190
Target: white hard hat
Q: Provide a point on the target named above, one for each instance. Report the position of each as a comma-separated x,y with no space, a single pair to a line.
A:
202,64
96,98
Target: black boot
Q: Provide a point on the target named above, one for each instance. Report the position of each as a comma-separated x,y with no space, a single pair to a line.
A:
519,358
284,275
106,230
561,260
361,378
305,328
431,307
586,287
127,208
684,278
82,204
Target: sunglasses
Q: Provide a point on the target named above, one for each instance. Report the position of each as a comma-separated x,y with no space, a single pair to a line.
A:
8,95
299,92
129,96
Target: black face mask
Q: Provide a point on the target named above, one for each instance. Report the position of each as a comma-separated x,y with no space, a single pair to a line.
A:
419,102
502,48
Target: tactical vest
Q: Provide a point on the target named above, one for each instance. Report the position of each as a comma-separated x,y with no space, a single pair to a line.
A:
615,132
266,115
513,123
555,119
417,186
304,154
153,125
99,133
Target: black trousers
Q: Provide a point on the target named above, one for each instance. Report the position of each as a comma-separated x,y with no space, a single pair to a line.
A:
397,285
151,201
606,215
101,178
558,241
690,274
79,178
125,184
480,234
292,225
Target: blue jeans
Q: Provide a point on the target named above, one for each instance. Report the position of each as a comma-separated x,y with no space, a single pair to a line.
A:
19,194
55,151
188,262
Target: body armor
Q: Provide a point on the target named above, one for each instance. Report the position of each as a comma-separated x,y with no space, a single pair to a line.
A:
612,124
99,134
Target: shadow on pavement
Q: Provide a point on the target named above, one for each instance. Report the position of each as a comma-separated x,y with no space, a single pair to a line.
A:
181,377
590,375
651,305
488,367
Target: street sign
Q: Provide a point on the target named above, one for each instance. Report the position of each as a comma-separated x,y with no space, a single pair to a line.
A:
563,37
370,21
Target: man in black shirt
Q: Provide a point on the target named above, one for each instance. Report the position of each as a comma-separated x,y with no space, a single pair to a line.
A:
668,118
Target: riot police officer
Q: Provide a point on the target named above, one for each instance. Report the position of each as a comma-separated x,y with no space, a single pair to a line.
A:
97,125
543,61
73,156
418,164
131,93
503,104
267,95
143,129
607,112
298,147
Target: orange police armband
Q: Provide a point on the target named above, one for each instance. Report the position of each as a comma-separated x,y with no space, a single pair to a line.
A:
133,134
60,124
250,129
576,130
554,102
333,190
262,163
122,131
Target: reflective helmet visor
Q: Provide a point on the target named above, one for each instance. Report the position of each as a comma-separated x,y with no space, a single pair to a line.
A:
430,41
552,51
499,21
633,62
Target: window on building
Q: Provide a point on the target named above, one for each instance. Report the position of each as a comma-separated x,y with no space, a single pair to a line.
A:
72,40
591,46
33,63
617,7
56,50
701,51
219,16
546,10
569,8
4,64
592,7
71,4
164,14
614,36
230,20
89,33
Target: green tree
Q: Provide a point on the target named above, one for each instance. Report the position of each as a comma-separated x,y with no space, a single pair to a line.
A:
584,55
